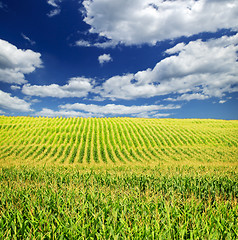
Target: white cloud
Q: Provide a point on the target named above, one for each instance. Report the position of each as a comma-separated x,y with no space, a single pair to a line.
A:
207,69
198,70
177,48
15,87
97,99
189,97
54,12
82,43
121,87
222,101
56,5
104,58
152,114
13,103
106,44
28,39
76,87
14,63
149,21
117,109
64,113
92,110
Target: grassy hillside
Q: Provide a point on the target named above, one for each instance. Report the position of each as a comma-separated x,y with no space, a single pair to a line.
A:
118,178
27,140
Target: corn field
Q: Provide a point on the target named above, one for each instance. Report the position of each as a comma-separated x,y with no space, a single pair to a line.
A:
118,178
116,140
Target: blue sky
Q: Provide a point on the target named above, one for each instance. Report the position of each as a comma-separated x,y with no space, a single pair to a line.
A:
110,58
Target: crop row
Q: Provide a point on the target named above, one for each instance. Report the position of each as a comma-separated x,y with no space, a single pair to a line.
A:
79,140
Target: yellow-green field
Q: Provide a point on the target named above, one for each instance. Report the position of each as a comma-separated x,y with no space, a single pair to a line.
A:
118,178
73,141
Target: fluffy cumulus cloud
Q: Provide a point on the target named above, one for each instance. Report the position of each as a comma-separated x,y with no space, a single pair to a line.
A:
15,87
92,110
76,87
149,21
15,63
104,58
13,103
117,109
197,70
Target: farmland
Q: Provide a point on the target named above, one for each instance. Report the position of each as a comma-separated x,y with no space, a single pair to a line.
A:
72,141
118,178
